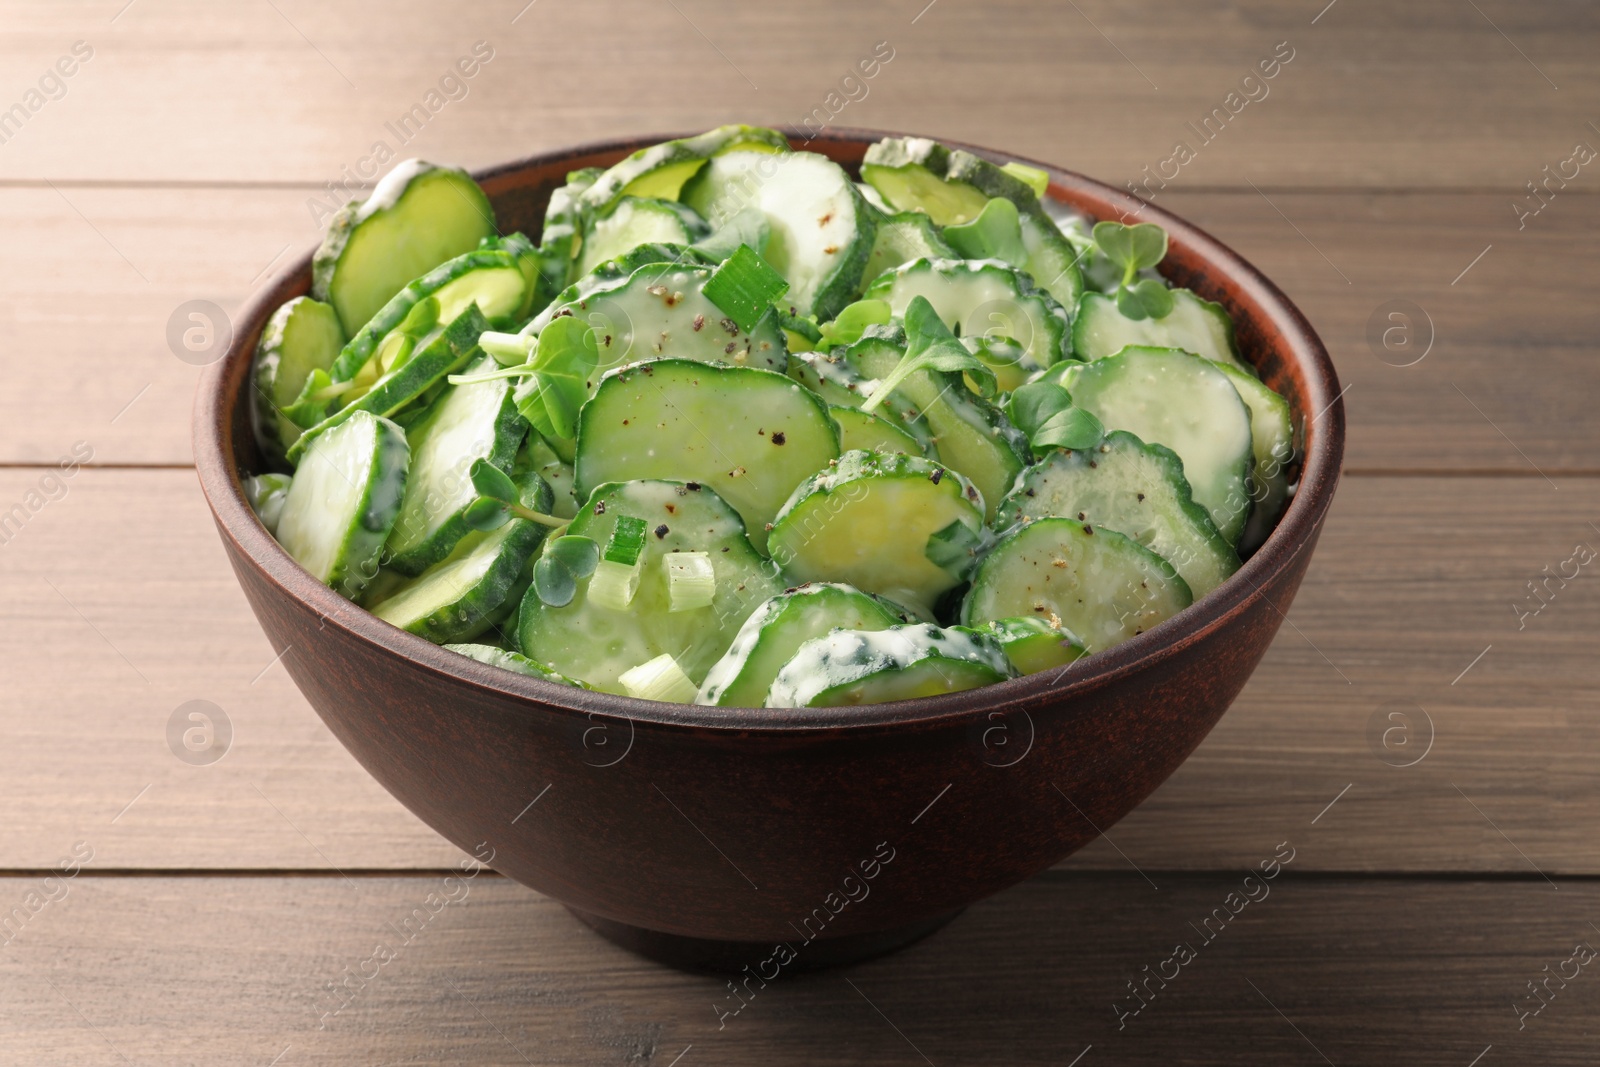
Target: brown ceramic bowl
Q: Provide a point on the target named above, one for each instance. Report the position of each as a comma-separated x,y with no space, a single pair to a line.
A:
707,836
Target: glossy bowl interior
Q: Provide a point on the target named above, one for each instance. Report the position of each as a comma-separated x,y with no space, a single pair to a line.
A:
699,835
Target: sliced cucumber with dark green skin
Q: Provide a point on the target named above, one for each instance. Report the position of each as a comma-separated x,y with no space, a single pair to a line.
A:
491,278
441,353
1033,644
1051,259
901,238
1099,584
1194,325
561,238
464,595
821,230
661,170
969,434
849,667
635,221
869,433
868,522
1169,397
984,297
515,662
775,631
598,644
908,173
1136,489
419,216
266,494
835,381
661,312
477,420
344,500
301,336
1272,442
751,435
953,187
614,272
537,455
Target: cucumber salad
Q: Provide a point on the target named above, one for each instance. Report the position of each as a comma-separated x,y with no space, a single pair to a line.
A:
746,429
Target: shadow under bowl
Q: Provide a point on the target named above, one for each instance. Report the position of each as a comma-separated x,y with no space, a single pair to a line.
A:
781,839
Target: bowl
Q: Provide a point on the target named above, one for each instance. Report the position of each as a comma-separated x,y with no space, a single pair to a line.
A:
766,840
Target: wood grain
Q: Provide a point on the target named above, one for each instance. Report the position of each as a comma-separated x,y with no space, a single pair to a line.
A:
1505,386
1413,579
238,970
296,90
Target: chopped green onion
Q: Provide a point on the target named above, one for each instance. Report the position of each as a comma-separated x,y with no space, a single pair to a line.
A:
691,581
508,349
659,679
614,585
1032,177
744,287
627,541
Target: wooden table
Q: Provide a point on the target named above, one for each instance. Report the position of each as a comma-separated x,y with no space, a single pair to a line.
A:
216,909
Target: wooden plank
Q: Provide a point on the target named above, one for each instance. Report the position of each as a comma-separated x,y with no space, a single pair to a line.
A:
1501,363
239,970
296,90
1414,578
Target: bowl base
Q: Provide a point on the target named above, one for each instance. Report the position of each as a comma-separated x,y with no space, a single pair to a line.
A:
733,957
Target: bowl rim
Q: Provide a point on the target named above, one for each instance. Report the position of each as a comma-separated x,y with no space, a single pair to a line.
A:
220,479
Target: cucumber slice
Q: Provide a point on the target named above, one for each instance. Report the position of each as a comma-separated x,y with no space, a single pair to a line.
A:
561,238
1097,583
969,434
584,640
751,435
301,336
980,297
1169,397
772,635
460,598
661,312
1272,442
875,198
868,522
821,230
493,279
915,174
443,351
835,381
538,456
419,216
344,500
514,662
466,423
266,494
849,667
859,431
1136,489
908,172
661,170
613,273
636,221
901,238
1194,325
1033,644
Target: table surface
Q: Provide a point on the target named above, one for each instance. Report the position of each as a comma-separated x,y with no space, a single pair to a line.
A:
1391,158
